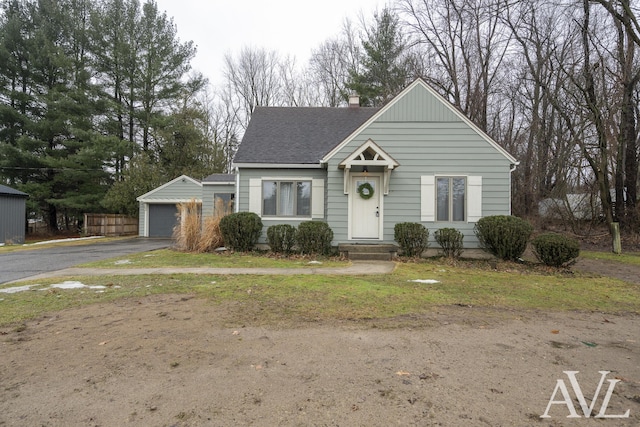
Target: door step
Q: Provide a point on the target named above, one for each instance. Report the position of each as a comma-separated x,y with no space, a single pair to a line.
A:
368,252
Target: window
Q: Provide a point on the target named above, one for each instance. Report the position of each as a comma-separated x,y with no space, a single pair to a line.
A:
223,203
450,199
286,198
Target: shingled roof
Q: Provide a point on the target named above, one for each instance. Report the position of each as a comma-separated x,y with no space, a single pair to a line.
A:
297,135
8,191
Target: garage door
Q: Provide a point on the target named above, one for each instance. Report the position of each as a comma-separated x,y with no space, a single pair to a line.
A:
162,219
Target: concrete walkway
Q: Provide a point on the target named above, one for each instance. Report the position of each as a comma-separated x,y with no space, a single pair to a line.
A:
357,268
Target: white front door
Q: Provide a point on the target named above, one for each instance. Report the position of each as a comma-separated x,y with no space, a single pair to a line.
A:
366,209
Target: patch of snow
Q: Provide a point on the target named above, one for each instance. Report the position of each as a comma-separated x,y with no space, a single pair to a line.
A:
123,262
74,285
314,262
425,281
16,289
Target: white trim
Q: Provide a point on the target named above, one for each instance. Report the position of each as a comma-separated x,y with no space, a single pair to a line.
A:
351,195
255,196
474,198
219,183
278,165
169,201
317,198
389,163
428,198
145,224
165,185
236,204
383,110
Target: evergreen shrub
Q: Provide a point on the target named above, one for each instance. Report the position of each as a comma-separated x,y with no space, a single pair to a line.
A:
450,240
554,249
281,238
241,230
504,236
314,237
412,237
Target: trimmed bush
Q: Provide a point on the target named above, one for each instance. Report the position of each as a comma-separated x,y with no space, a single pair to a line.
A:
241,230
504,236
450,240
314,237
281,238
412,237
555,249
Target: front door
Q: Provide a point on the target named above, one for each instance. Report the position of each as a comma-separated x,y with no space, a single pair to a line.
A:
366,211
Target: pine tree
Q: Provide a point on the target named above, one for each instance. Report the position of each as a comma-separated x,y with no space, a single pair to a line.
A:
385,65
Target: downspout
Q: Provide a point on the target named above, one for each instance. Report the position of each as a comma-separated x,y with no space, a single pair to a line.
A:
236,205
511,169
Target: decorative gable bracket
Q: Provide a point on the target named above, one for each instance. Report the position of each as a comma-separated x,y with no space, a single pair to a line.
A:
368,155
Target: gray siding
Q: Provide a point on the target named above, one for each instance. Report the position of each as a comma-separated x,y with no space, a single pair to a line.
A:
172,193
242,199
426,138
12,219
208,196
179,190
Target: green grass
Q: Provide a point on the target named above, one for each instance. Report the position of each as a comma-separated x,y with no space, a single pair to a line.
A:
624,258
171,258
275,299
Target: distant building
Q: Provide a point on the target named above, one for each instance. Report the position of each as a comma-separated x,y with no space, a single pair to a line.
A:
13,215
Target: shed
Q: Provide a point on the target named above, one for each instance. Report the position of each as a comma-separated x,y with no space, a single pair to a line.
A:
13,215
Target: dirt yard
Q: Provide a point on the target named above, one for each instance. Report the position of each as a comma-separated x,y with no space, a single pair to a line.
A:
180,361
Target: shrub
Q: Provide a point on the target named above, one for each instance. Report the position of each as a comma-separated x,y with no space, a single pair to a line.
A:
281,238
450,240
314,237
504,236
555,249
241,230
412,237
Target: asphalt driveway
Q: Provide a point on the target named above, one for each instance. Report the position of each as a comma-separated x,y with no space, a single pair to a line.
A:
27,263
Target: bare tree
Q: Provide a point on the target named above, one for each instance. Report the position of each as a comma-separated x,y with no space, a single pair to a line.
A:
464,44
253,80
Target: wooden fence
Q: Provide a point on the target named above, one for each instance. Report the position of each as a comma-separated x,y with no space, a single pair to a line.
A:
110,225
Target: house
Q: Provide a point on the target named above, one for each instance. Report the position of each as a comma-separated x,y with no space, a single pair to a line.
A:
158,208
363,170
13,216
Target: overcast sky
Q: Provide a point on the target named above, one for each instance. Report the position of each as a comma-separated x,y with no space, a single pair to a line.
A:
293,27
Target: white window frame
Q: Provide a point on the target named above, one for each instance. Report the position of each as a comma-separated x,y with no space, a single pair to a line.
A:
450,209
473,197
317,196
295,183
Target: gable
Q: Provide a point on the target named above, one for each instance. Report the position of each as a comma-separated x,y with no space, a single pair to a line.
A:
183,188
421,104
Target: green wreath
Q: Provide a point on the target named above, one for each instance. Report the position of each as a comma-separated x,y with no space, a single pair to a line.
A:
365,190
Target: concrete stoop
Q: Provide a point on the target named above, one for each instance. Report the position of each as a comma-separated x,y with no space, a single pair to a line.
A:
368,252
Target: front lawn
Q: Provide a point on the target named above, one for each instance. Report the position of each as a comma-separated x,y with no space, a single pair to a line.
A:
412,289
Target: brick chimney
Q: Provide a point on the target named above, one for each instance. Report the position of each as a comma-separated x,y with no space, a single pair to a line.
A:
354,100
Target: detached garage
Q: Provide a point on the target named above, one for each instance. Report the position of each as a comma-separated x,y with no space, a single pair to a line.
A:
13,217
158,207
